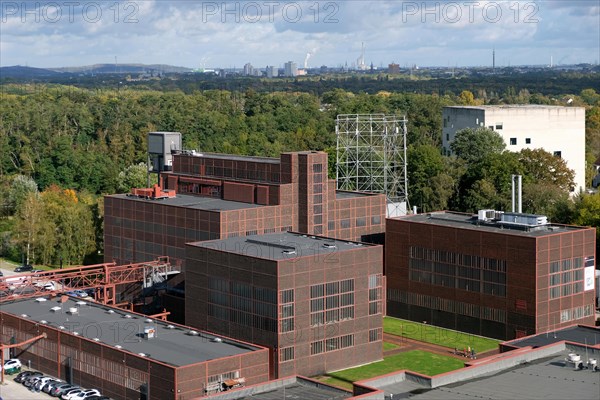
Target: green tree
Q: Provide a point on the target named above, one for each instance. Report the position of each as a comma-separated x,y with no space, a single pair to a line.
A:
20,189
474,144
544,168
134,176
587,213
29,227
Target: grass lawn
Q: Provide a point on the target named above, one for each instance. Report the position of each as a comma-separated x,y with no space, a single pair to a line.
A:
389,346
435,335
416,360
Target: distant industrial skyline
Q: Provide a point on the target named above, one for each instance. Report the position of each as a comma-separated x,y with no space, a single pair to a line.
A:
210,34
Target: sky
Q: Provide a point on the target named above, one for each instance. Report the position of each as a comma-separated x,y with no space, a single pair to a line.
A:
227,34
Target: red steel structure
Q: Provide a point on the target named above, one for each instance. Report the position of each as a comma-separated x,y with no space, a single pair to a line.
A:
103,278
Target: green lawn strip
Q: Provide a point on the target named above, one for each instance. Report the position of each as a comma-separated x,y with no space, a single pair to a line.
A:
440,336
389,346
416,360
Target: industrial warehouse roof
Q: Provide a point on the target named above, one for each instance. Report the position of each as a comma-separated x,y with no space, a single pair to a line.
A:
287,388
341,194
576,334
281,246
515,106
468,221
196,202
231,157
547,378
172,345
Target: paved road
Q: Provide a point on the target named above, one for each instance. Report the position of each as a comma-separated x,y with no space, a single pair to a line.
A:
8,268
15,391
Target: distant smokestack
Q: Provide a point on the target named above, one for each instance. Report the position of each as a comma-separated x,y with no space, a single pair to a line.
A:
519,180
494,60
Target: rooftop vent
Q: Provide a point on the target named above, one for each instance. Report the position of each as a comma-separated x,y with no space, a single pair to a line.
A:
24,315
96,339
329,246
81,303
118,346
126,316
110,312
76,333
148,320
193,333
40,300
170,326
55,309
61,327
142,354
289,251
73,310
216,339
43,321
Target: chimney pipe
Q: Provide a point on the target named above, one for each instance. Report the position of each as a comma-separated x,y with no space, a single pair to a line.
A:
415,210
512,191
520,194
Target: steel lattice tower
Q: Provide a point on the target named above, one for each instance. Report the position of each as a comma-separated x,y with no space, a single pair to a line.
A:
371,157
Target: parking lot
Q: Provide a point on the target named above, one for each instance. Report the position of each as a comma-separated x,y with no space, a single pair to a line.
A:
11,390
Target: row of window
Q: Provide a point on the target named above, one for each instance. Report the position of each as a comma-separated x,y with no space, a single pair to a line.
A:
331,344
576,313
286,310
451,306
243,318
375,294
331,302
450,257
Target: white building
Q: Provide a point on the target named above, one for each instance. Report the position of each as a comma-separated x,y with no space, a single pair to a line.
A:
271,71
558,130
291,69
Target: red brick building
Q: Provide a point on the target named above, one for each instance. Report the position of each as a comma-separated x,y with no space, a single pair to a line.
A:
126,355
315,302
221,196
505,276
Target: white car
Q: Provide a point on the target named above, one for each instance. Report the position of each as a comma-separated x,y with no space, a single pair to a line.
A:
10,364
85,394
71,394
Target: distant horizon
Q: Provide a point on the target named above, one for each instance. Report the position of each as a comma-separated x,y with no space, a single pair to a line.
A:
198,34
376,67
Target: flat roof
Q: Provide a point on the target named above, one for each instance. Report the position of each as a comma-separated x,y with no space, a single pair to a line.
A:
281,246
545,378
288,388
195,202
468,221
232,157
514,106
342,194
172,344
585,335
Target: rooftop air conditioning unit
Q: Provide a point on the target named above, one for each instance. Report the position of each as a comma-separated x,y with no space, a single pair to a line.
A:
486,215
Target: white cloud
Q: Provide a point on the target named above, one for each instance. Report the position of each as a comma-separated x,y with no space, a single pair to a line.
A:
263,32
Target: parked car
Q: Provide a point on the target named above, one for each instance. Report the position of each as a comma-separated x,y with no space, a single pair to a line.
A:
1,274
85,394
51,384
80,293
25,374
98,398
59,390
43,381
27,380
24,268
11,366
70,394
51,285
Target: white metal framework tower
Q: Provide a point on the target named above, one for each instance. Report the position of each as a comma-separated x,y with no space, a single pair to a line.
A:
371,157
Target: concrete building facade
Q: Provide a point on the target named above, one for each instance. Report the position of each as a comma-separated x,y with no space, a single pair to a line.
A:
558,130
221,196
493,278
315,302
126,355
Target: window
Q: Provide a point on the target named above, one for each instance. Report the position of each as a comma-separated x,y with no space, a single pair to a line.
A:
375,294
447,134
316,348
286,310
286,354
375,220
513,141
318,219
345,223
498,125
558,154
374,335
317,167
331,225
361,221
332,302
527,140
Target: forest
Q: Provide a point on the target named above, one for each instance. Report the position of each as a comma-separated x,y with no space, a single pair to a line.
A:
63,147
